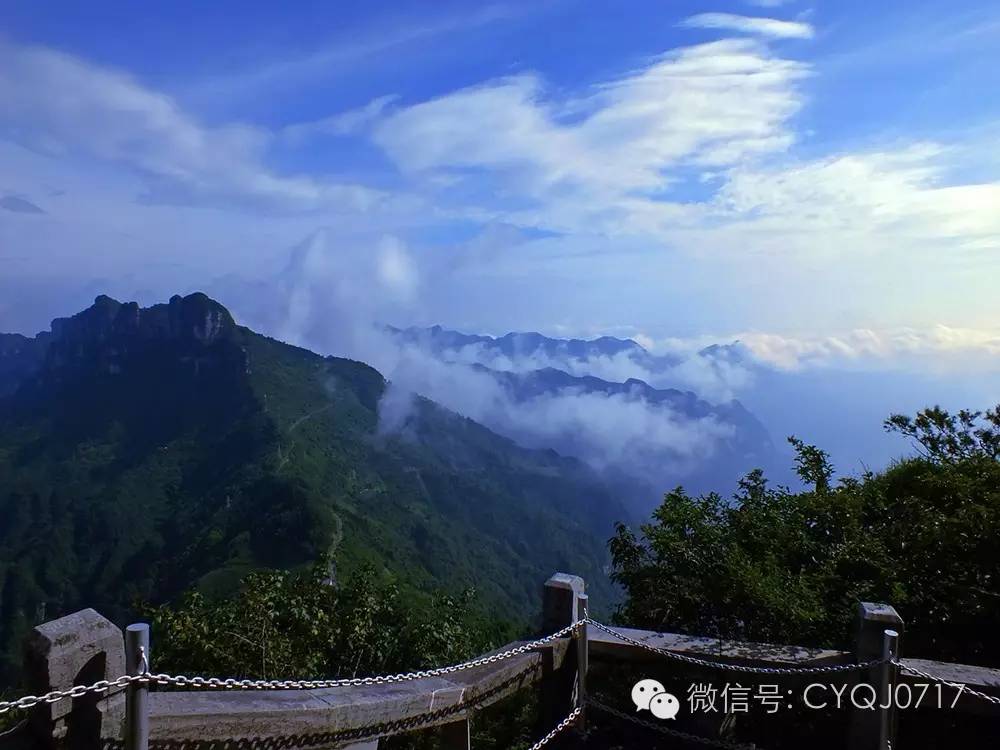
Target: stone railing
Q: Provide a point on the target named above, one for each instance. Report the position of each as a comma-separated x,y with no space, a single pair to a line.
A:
84,648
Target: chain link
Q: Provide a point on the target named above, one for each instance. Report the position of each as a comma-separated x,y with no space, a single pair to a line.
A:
827,669
568,721
77,691
961,686
148,678
573,629
233,684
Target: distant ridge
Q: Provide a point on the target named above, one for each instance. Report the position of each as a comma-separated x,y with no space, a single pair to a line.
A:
535,371
522,344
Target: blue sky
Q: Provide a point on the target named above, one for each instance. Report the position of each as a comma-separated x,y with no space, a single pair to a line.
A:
821,179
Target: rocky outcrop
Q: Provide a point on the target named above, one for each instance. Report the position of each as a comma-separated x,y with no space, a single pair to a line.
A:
195,332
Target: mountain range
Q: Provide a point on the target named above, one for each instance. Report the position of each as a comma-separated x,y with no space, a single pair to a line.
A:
532,347
594,400
144,451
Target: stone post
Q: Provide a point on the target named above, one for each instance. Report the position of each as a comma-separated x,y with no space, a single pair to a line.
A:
873,619
561,602
78,649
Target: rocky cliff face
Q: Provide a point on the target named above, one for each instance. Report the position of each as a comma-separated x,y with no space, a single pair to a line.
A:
193,332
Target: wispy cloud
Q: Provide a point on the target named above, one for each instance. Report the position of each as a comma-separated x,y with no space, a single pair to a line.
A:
343,56
902,192
771,27
342,124
868,346
709,105
63,105
769,3
935,347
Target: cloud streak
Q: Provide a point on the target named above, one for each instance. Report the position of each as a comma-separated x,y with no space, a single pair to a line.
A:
601,162
768,27
342,124
61,105
938,347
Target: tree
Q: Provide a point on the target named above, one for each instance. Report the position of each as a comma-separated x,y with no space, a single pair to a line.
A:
812,464
296,625
943,437
772,565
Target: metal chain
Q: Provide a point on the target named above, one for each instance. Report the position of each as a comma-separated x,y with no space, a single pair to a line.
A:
707,741
148,678
828,669
77,691
957,685
568,721
233,684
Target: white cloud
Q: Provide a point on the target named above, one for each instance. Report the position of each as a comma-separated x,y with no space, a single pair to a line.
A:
771,27
884,196
332,292
939,347
606,163
347,123
60,104
594,164
621,431
395,268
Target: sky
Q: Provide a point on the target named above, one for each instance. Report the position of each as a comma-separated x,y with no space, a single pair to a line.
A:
820,180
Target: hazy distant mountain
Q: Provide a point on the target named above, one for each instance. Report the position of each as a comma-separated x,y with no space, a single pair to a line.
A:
582,398
530,346
748,429
726,440
144,450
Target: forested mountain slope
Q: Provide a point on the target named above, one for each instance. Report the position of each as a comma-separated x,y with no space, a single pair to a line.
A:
143,451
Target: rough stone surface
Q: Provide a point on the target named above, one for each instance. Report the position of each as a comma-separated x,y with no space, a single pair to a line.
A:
559,601
319,718
78,649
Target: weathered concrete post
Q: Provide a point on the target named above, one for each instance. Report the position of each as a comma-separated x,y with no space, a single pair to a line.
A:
78,649
560,601
560,607
137,660
873,619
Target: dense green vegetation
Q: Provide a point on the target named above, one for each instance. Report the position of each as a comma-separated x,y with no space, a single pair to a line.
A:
296,624
779,566
159,449
283,624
